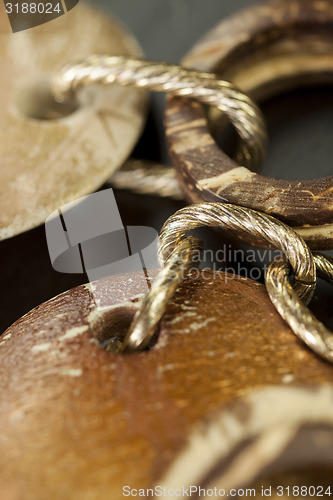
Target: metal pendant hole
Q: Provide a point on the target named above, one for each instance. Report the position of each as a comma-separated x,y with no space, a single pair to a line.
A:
111,329
113,326
36,101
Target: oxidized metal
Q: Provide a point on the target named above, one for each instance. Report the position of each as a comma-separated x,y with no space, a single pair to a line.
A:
268,48
77,421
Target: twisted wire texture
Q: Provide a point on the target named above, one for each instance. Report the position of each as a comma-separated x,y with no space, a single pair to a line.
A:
147,178
300,319
247,223
324,265
206,88
154,303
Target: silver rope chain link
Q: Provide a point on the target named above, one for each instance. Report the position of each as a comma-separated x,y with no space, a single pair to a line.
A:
177,250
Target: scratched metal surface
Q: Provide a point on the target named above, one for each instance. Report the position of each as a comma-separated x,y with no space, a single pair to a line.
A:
301,146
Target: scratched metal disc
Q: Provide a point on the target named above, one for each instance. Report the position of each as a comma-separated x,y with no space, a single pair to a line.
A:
51,153
80,422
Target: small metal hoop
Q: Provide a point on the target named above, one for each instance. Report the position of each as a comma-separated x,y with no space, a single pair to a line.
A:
300,319
247,224
144,325
287,299
265,49
164,77
179,251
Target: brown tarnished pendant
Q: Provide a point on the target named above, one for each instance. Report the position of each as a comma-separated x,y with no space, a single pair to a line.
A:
226,396
265,49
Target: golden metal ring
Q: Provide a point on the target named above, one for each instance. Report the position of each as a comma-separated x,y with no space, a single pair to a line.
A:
205,88
248,224
300,319
154,303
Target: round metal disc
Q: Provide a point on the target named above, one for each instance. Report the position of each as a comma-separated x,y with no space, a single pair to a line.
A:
78,421
49,153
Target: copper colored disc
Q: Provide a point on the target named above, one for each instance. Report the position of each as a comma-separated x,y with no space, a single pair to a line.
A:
79,422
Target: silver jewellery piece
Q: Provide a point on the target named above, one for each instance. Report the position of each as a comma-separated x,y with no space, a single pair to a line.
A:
185,256
245,222
324,266
177,252
300,319
285,298
162,77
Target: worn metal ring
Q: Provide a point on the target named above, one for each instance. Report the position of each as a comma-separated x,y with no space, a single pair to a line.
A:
300,319
163,77
246,223
183,257
265,49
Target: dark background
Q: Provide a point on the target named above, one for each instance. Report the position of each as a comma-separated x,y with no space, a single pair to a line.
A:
301,146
